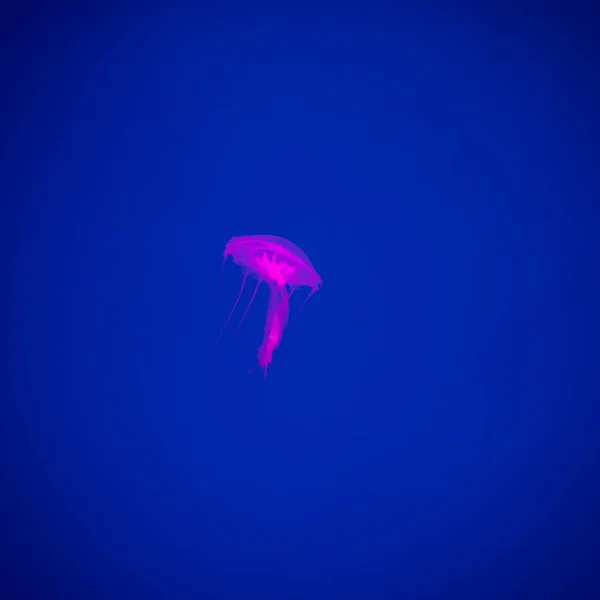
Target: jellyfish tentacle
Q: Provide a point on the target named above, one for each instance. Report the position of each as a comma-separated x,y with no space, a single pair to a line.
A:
233,309
248,307
221,271
306,300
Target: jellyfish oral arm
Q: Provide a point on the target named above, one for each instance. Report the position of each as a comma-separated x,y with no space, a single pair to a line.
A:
277,316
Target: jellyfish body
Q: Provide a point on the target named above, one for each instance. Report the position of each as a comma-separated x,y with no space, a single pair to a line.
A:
285,268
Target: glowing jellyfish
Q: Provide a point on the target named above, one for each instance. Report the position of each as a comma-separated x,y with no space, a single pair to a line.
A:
284,267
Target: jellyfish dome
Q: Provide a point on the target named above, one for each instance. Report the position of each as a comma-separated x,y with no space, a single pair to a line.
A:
274,260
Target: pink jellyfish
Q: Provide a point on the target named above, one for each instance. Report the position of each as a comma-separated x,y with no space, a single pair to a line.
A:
282,265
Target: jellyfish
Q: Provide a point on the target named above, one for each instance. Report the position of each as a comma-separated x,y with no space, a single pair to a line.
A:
284,268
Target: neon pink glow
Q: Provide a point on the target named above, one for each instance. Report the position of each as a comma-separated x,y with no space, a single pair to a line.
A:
285,268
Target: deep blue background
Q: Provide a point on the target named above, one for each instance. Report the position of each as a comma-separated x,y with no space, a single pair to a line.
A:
429,425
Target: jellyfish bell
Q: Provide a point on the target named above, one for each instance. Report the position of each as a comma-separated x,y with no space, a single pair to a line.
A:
285,268
273,259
